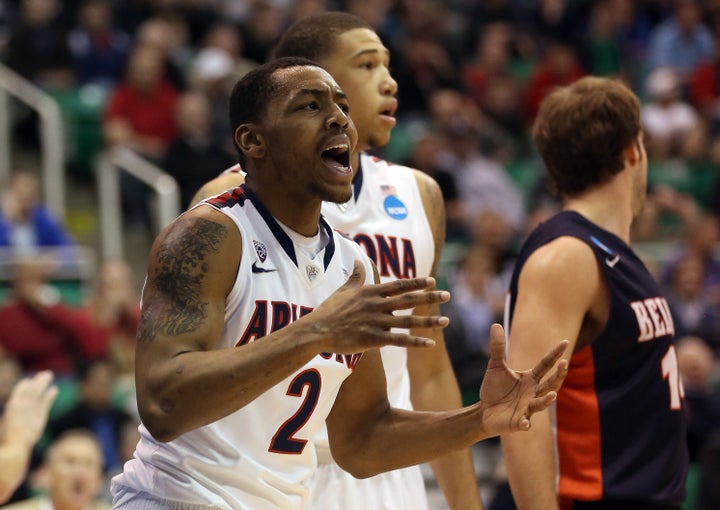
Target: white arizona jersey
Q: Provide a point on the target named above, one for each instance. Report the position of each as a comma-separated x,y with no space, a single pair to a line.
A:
261,456
387,218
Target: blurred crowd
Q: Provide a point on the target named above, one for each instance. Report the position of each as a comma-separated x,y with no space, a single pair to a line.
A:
155,75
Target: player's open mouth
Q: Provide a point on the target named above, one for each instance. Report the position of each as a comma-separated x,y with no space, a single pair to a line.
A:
337,157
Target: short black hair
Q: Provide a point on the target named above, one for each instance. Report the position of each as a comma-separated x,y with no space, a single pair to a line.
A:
314,37
251,95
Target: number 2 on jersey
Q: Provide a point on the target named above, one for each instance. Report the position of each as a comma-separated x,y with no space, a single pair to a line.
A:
284,440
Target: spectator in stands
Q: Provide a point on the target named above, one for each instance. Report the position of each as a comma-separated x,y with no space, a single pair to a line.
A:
702,233
262,29
72,475
37,48
22,423
41,332
601,52
96,412
478,301
704,88
114,308
483,184
696,311
228,38
697,362
708,497
26,225
193,157
98,48
212,73
672,126
557,67
141,115
140,112
168,35
426,155
682,41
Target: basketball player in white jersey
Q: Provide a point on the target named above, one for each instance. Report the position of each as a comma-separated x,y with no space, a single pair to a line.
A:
259,324
397,214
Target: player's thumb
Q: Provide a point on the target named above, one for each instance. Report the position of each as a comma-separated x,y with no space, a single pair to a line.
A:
497,342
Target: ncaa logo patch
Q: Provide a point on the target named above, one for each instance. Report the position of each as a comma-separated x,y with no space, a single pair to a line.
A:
395,208
260,250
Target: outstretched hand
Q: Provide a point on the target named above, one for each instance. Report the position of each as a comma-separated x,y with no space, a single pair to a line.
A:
509,398
361,316
27,408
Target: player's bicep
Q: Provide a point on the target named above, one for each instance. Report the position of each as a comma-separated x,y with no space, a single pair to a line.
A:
556,289
434,206
191,268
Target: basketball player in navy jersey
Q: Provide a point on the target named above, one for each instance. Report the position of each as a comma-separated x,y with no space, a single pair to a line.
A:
618,437
260,323
397,214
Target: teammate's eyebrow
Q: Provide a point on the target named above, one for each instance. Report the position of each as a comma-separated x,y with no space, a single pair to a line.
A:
371,51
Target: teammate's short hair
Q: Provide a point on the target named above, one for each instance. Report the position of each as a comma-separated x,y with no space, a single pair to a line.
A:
582,131
314,37
251,95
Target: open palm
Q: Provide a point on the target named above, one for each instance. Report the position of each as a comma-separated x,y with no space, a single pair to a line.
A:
509,397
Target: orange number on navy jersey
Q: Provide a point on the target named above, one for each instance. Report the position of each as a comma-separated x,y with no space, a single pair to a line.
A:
672,374
284,440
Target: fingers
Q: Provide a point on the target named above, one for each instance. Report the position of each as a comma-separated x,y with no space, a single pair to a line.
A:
497,342
414,299
549,360
388,321
554,382
403,340
402,286
35,388
541,403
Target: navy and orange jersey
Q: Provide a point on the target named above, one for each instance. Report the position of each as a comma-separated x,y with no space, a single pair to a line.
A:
620,419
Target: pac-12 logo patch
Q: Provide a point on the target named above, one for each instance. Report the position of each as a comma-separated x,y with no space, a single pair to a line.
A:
395,208
260,250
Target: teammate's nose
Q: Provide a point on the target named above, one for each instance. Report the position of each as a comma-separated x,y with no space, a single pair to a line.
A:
389,86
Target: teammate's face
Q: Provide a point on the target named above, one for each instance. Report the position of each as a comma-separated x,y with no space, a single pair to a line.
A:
359,64
309,135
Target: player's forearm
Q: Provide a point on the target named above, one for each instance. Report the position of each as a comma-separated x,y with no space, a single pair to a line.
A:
14,459
530,464
402,438
192,389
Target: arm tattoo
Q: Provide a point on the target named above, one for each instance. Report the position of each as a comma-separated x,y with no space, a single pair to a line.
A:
180,268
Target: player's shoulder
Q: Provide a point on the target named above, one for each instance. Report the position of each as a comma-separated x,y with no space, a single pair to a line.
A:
397,172
565,256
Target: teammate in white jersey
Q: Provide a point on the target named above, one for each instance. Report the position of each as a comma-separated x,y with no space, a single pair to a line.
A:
250,336
397,214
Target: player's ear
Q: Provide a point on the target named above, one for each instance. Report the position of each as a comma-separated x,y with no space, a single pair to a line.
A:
250,141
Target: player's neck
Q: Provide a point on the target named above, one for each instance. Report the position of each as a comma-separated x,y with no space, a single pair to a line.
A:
297,213
609,206
355,162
